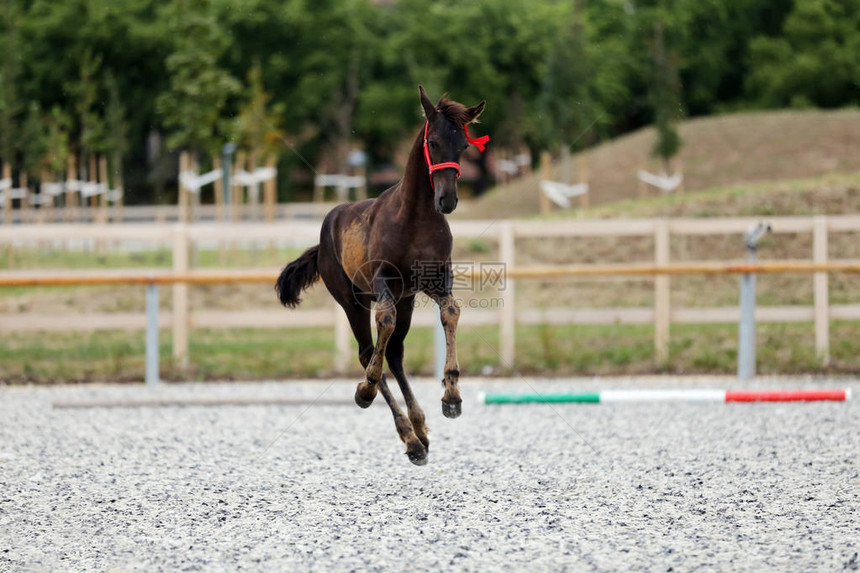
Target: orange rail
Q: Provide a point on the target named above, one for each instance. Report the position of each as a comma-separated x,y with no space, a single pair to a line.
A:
716,268
221,277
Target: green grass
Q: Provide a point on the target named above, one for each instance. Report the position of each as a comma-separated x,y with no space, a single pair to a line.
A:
249,354
46,258
58,259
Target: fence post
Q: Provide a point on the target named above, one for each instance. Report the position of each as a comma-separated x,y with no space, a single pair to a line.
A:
182,200
545,175
238,192
254,188
583,178
341,339
194,196
821,292
103,198
270,189
119,187
508,313
151,334
23,184
93,178
746,327
661,292
180,297
219,189
71,182
361,192
226,163
7,194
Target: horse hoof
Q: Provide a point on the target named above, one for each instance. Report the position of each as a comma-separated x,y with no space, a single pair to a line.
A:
452,410
418,458
361,401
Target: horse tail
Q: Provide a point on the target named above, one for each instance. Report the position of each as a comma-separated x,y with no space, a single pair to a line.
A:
298,276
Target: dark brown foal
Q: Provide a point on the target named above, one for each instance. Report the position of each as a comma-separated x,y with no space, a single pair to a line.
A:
379,250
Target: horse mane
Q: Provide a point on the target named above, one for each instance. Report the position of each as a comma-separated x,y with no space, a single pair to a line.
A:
455,111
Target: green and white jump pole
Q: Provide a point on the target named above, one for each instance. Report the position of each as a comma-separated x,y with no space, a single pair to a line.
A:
693,395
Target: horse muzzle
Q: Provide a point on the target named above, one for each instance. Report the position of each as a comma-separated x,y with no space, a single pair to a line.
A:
446,205
445,197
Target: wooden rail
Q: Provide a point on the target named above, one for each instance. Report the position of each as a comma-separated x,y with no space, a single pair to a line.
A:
533,272
161,213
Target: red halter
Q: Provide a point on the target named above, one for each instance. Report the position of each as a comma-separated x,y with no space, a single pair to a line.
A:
479,142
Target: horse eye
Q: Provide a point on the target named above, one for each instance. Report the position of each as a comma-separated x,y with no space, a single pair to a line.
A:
433,145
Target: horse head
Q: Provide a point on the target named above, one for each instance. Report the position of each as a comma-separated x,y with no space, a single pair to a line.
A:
446,137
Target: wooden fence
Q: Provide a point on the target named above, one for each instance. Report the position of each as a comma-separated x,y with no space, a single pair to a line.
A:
661,315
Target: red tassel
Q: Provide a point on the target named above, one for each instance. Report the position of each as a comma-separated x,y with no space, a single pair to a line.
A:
479,142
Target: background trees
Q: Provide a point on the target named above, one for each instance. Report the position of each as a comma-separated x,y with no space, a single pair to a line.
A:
105,76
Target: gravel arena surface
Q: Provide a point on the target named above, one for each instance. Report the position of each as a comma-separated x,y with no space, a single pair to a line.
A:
658,487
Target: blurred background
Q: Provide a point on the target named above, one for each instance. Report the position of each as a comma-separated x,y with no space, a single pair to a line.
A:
249,119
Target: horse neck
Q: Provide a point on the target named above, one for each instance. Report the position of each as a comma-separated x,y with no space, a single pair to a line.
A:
416,192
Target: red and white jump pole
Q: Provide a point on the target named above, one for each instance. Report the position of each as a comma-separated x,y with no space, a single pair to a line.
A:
691,395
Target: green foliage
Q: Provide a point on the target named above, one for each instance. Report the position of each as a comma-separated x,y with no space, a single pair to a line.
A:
477,246
668,140
333,73
116,126
9,71
86,90
660,26
813,61
257,124
56,140
34,145
199,87
565,99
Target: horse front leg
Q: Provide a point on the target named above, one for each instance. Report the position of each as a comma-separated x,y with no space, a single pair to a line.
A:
449,311
386,318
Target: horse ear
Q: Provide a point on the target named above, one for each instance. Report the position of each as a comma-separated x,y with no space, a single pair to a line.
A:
429,108
474,111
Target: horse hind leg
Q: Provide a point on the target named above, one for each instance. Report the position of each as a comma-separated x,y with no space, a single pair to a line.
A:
386,317
416,448
394,356
359,320
416,451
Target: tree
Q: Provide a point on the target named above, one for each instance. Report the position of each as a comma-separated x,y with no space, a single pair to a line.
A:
116,126
487,49
34,144
56,141
193,106
9,75
87,91
813,61
565,99
257,123
663,83
346,71
334,64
